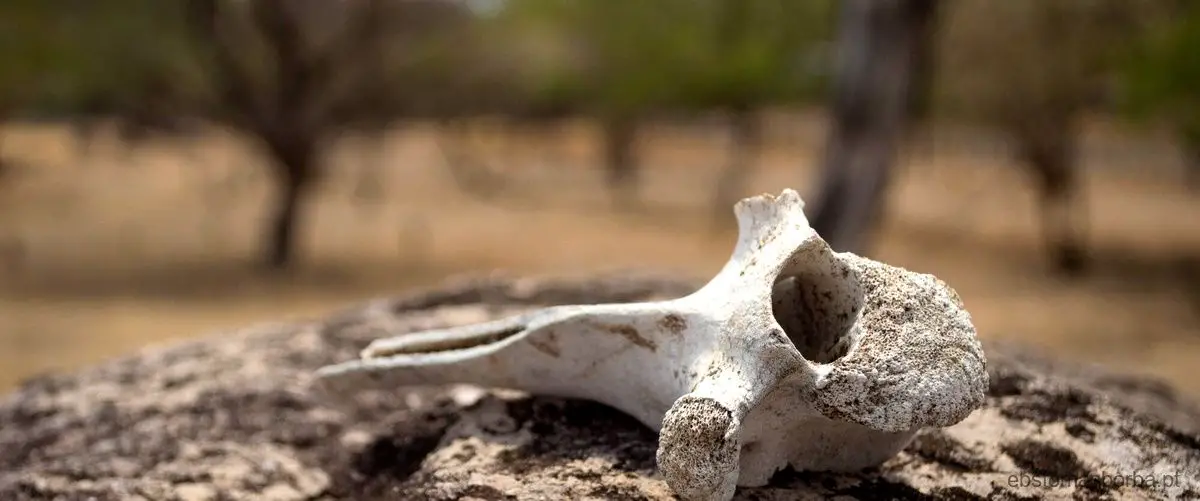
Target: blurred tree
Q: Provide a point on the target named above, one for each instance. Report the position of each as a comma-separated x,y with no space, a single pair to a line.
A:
752,55
470,173
921,95
624,62
880,43
1162,77
616,62
86,60
1031,68
33,42
633,67
517,66
295,74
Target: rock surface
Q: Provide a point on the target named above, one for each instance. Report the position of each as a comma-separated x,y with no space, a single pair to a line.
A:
232,417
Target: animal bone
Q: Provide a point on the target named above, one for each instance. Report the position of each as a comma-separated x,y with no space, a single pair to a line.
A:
792,355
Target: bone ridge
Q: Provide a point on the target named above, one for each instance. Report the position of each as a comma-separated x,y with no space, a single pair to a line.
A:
793,354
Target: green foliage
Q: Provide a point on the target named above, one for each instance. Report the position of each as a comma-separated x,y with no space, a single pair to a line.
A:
631,57
62,55
751,53
32,42
1162,72
602,56
1017,63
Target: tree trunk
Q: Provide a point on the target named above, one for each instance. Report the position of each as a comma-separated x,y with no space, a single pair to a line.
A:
1050,154
84,132
1191,163
370,175
470,174
295,174
620,160
876,65
746,129
921,90
6,165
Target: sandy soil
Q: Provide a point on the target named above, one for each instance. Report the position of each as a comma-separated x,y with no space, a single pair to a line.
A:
107,251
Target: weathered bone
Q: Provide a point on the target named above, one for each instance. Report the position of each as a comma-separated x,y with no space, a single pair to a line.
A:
792,355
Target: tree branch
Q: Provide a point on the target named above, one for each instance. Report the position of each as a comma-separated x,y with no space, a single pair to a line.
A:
240,100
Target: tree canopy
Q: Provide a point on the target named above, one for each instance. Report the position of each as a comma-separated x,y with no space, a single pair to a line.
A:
1162,72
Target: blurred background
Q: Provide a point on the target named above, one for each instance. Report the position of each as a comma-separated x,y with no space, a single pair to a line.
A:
170,168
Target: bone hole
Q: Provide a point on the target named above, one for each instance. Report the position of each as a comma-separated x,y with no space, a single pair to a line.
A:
816,300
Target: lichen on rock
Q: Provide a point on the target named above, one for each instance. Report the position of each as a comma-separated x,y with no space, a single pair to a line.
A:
234,416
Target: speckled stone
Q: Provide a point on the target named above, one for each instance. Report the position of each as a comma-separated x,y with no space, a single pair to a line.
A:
234,416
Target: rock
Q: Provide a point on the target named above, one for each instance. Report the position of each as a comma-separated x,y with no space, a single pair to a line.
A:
232,417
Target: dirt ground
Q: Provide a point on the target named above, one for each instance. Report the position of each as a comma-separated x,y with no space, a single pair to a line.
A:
105,251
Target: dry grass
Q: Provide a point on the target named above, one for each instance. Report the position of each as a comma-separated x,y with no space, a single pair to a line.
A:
124,251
